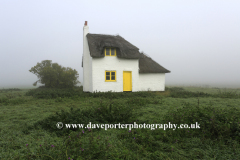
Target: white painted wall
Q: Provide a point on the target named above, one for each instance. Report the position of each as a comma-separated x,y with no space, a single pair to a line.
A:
87,63
151,81
100,65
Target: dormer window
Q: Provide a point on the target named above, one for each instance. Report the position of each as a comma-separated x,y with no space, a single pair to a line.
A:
110,51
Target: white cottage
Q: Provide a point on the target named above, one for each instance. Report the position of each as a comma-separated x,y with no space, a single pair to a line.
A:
110,63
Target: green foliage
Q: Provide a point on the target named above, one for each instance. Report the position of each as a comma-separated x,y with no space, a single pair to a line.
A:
54,75
114,112
215,123
94,146
110,113
52,93
12,98
178,92
226,94
139,101
49,93
72,117
217,138
8,101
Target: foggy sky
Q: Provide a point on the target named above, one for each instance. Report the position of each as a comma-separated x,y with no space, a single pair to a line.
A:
198,41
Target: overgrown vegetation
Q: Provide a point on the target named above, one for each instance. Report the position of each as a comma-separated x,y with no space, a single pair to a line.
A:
177,92
49,93
12,96
217,138
216,123
102,113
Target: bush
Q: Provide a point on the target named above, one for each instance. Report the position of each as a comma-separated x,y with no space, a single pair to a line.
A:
12,101
73,117
215,123
138,101
110,113
53,93
113,112
49,93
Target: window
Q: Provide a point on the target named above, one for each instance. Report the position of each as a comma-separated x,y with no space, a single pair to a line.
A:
110,76
110,51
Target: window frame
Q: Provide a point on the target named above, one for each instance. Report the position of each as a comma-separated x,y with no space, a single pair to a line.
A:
115,52
110,76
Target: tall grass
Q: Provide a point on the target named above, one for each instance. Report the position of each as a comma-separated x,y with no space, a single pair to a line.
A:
217,137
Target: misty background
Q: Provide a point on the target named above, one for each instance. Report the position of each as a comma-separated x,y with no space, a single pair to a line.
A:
198,41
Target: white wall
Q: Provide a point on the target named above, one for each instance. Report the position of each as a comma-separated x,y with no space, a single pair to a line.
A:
151,81
87,63
100,65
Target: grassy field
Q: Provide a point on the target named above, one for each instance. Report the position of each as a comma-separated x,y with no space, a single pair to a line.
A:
28,124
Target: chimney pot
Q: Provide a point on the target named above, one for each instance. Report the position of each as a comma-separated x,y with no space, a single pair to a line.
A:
85,23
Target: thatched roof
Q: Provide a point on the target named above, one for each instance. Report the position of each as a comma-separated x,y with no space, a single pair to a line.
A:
147,65
97,43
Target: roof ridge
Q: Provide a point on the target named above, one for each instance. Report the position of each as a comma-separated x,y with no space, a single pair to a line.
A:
105,34
146,55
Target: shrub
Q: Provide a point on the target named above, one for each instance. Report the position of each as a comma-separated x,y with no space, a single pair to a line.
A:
113,112
138,101
12,101
47,93
73,117
215,123
52,93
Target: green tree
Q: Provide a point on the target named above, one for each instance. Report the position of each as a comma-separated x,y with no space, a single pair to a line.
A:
54,75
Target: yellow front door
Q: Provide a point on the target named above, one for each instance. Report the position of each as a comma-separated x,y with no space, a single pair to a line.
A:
127,81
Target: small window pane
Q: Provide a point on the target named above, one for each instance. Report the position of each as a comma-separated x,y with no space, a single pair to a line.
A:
108,51
113,73
108,73
107,77
112,51
113,77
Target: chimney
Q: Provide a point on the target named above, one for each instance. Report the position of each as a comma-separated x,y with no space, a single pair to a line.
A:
85,29
87,61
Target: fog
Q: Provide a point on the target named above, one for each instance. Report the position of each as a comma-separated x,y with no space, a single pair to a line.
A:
198,41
